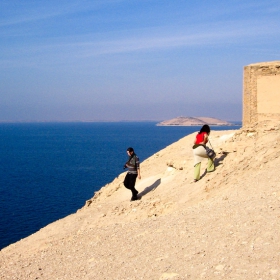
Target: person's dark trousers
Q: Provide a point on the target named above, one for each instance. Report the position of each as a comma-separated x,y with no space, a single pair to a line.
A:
129,183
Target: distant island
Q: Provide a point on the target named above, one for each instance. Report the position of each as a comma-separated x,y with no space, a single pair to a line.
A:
193,121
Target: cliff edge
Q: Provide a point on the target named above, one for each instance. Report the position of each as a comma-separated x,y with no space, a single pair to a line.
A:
225,226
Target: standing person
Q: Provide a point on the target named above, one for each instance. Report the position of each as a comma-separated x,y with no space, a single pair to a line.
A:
199,152
133,165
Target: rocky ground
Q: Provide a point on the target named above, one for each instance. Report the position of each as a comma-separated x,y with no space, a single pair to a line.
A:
225,226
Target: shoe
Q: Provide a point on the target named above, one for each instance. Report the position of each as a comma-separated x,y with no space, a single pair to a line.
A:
210,171
195,180
134,198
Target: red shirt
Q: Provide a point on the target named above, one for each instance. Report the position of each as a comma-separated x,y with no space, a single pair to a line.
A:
200,138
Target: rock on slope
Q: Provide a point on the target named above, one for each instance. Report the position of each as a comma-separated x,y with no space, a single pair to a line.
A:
226,226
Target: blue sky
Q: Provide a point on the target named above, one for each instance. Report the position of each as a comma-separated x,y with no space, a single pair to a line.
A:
130,60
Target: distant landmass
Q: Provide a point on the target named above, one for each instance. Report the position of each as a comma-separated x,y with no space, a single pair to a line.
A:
193,121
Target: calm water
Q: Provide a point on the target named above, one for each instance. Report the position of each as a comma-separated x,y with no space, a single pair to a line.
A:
49,170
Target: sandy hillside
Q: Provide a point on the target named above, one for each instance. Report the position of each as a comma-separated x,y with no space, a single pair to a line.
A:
226,226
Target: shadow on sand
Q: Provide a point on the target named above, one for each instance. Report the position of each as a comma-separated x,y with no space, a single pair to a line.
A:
217,162
150,188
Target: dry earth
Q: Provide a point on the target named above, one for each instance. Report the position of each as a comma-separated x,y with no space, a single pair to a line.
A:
226,226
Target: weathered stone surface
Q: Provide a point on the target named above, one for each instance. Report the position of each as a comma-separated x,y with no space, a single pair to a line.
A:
261,94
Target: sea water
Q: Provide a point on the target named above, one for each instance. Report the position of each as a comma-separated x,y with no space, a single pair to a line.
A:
49,170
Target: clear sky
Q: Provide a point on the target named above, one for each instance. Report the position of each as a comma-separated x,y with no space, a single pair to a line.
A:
130,60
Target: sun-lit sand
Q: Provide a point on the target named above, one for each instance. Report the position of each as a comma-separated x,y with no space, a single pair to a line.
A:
225,226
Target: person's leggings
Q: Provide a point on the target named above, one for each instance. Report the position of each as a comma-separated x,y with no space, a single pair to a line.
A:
129,183
210,168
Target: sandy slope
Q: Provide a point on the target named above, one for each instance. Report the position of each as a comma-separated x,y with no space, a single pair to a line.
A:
226,226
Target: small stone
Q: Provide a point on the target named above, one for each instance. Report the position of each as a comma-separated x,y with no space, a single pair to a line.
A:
168,275
273,271
219,267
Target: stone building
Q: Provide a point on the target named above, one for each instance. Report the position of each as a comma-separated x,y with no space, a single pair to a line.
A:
261,93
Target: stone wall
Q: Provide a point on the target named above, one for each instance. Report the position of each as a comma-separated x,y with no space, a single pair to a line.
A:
261,93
